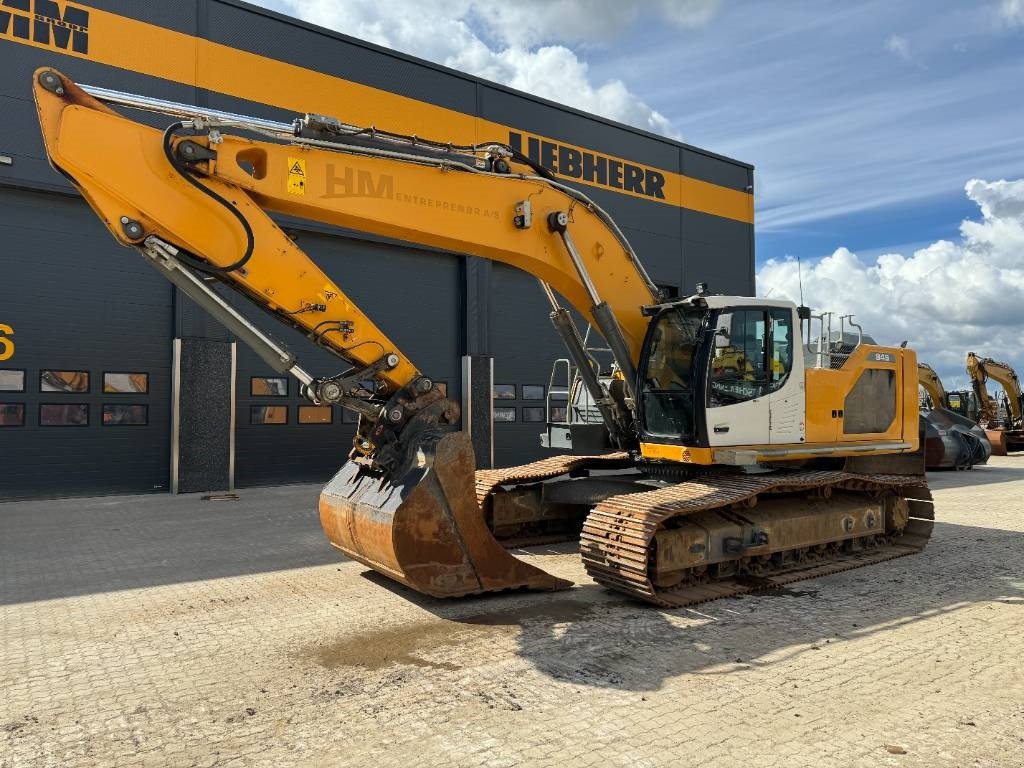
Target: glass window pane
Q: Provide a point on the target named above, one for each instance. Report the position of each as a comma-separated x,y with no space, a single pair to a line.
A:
505,414
504,391
63,381
268,414
559,413
315,414
63,415
117,415
12,381
739,368
12,414
533,413
268,386
533,391
134,383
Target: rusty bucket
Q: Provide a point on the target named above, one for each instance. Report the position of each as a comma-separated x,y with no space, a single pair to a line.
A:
997,437
425,528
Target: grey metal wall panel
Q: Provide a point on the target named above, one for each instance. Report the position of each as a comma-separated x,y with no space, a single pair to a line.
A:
706,167
524,346
321,51
725,270
77,301
179,15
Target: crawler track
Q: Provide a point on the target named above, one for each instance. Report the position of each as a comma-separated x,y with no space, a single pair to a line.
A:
616,542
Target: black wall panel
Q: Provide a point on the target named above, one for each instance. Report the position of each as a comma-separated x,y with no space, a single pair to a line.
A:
79,302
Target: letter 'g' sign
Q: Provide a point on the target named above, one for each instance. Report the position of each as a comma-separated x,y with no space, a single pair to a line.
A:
6,343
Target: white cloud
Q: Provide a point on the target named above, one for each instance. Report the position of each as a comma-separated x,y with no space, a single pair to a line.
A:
946,299
522,45
1012,12
898,45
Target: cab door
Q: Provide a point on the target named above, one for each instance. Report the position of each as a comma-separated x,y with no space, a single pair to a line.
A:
739,378
787,399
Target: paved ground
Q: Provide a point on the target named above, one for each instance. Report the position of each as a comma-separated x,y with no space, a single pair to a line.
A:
158,631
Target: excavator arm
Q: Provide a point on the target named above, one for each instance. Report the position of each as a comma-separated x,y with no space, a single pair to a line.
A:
196,199
932,384
981,369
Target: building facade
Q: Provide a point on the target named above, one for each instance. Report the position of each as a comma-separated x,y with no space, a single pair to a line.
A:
113,382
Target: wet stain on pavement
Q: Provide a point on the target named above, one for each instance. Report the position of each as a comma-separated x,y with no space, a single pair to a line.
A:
414,644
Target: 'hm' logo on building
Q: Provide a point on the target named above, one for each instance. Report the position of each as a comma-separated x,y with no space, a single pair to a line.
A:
43,22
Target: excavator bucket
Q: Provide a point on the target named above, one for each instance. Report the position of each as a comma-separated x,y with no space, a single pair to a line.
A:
997,437
425,529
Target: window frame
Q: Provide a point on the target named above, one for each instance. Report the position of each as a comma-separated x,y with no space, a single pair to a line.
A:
86,391
543,392
496,420
104,406
765,373
543,414
301,423
24,416
496,396
103,383
253,406
88,414
24,379
287,386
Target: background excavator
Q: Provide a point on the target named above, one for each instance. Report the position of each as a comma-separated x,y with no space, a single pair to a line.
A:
745,457
1005,433
951,441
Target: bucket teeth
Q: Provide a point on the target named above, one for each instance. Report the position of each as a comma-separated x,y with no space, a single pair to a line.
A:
425,529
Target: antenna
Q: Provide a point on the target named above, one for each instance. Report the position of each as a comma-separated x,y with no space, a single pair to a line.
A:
800,279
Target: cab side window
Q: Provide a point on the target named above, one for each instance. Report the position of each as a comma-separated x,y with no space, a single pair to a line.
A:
752,356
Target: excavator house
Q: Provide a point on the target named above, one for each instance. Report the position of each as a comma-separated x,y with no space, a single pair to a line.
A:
745,457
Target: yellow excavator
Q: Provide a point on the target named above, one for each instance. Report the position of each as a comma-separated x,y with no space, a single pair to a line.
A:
728,478
1005,434
951,441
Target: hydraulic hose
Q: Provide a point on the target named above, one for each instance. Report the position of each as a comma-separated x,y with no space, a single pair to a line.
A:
184,173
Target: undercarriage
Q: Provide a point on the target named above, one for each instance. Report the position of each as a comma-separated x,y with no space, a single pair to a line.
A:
670,542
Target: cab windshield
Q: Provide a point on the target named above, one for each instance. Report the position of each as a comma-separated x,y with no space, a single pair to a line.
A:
667,382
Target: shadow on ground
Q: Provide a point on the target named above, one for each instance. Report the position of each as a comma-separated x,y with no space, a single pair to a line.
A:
65,547
589,636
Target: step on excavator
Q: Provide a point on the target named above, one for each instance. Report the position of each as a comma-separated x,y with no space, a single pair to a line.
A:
744,458
1006,433
951,441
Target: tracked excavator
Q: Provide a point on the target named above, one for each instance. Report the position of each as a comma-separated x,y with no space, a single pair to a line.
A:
951,441
1005,434
744,457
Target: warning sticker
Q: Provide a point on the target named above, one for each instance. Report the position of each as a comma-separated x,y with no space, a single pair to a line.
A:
296,176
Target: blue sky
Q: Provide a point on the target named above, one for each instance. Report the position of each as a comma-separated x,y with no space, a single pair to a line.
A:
864,122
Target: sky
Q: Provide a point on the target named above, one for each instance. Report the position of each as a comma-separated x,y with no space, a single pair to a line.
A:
887,138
